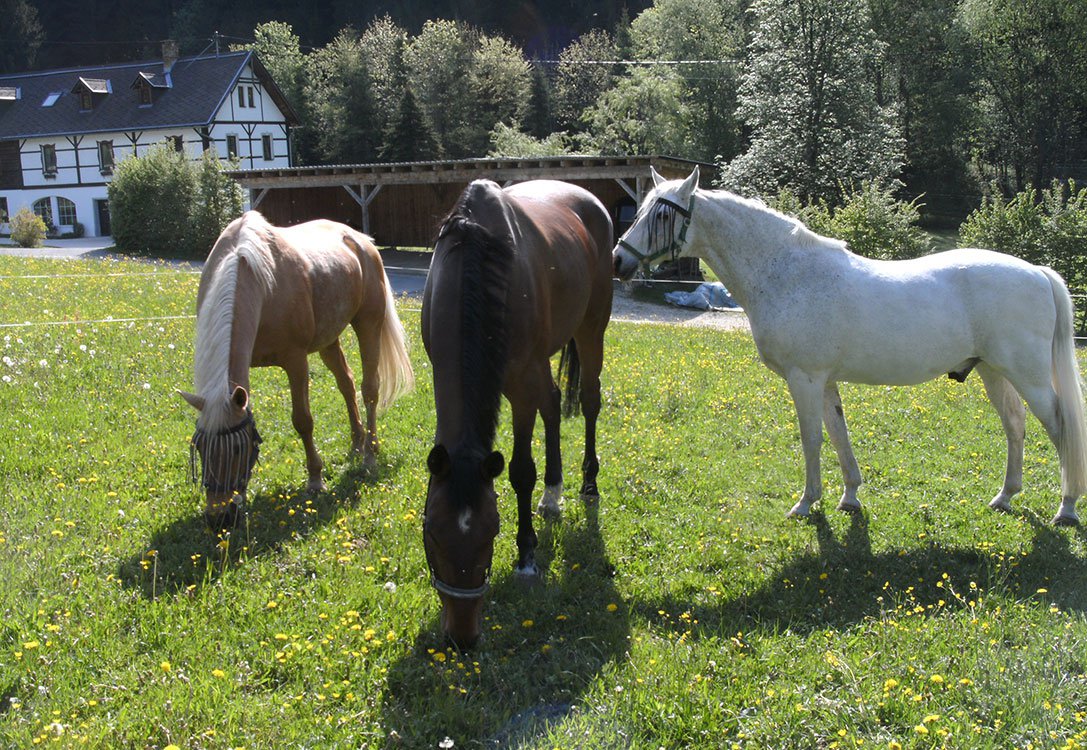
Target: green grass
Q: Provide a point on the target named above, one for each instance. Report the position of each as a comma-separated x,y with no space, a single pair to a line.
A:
683,610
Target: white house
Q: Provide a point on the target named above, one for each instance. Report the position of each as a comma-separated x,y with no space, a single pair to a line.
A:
62,131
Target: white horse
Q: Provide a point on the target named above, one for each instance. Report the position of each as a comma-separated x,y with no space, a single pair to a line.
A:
820,314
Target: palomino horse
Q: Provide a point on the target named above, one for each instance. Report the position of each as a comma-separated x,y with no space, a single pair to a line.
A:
270,296
820,314
517,274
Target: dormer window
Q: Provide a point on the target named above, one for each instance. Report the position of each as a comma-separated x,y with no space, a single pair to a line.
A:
90,91
149,85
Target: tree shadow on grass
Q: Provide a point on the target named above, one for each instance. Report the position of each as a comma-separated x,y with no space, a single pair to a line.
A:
187,555
544,645
845,583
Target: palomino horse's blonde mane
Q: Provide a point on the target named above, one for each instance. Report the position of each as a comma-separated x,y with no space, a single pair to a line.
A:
215,318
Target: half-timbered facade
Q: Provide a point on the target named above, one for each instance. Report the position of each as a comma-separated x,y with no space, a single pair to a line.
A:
62,132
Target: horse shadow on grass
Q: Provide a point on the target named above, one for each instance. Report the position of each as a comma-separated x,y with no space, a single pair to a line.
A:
544,645
844,583
187,555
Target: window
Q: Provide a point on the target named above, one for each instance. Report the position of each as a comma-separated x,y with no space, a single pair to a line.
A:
51,98
66,212
42,208
3,210
145,94
266,146
205,139
176,141
105,157
241,96
49,160
85,101
250,90
232,146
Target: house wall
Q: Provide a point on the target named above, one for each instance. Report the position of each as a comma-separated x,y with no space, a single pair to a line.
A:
81,179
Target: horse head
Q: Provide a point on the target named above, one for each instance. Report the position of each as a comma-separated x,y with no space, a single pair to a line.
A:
460,524
227,456
660,228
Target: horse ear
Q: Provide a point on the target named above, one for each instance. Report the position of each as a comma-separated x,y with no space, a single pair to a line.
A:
492,465
657,179
240,397
438,462
690,183
193,400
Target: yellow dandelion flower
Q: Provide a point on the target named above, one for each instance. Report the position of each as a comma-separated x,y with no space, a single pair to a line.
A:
612,607
165,666
218,674
527,624
30,645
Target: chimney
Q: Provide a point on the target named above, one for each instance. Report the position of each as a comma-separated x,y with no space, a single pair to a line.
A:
169,54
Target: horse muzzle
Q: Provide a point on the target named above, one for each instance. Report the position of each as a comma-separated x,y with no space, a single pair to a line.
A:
223,515
623,265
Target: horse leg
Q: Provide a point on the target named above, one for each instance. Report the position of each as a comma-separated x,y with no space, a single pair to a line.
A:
369,335
523,479
550,505
332,356
591,351
297,369
1009,406
1043,402
834,418
807,393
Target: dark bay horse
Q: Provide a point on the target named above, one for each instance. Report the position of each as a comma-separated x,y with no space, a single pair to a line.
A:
271,296
517,274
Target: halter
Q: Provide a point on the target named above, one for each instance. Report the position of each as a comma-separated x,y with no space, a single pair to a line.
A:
454,592
242,437
675,244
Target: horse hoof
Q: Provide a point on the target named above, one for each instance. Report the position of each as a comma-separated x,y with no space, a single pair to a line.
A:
1071,521
551,503
316,485
1001,504
800,510
847,507
528,572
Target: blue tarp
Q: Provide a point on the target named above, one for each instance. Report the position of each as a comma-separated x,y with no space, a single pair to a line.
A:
708,296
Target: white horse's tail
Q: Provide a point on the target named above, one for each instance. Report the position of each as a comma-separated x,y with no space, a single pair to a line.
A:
395,375
1066,382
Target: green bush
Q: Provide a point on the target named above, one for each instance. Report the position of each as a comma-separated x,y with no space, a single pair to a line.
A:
27,228
164,205
870,220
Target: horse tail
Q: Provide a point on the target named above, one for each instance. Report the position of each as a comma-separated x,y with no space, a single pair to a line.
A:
1068,385
570,372
394,371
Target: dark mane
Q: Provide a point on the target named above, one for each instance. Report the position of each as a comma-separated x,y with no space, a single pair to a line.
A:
486,263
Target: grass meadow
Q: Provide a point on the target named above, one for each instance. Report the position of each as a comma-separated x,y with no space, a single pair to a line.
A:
682,611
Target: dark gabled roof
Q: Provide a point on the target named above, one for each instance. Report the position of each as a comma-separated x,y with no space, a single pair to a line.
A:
188,95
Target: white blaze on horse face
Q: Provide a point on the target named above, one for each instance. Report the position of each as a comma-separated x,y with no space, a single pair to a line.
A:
464,520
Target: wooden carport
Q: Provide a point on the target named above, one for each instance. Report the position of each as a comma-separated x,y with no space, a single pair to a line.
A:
400,205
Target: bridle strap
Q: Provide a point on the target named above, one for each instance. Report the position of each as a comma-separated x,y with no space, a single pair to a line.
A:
675,245
458,593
